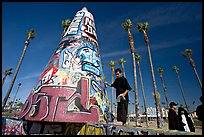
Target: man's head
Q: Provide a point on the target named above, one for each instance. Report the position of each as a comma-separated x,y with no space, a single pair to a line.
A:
173,105
118,72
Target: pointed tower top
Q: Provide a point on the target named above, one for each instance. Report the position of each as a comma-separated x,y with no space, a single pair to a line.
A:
84,8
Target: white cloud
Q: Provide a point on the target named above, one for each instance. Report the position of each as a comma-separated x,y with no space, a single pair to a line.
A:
30,76
169,14
178,42
162,45
112,54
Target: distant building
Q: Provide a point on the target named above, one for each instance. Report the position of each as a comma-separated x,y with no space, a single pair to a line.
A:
151,113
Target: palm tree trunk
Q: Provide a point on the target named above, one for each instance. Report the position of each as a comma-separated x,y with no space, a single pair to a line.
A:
123,69
4,78
115,109
153,79
194,69
63,32
131,42
182,92
16,72
143,93
112,89
15,97
161,115
165,93
136,90
197,77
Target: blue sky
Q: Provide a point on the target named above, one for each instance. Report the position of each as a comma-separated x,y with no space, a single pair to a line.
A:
173,27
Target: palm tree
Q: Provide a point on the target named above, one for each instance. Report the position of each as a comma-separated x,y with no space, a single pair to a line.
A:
129,106
19,84
127,27
65,24
122,61
112,64
20,104
133,104
138,59
128,115
6,73
188,53
10,103
160,70
102,64
160,107
176,69
143,108
31,35
115,107
142,27
165,108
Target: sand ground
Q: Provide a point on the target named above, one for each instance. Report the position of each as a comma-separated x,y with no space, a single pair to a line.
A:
153,124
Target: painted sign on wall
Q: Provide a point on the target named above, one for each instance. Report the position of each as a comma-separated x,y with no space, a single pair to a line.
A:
12,127
71,88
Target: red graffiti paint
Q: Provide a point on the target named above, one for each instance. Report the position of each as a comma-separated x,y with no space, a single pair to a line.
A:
64,92
50,104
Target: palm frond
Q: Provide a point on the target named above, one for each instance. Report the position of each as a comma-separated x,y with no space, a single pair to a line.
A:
145,26
139,27
138,57
122,60
142,27
160,70
127,25
66,23
9,69
175,68
183,54
31,34
112,63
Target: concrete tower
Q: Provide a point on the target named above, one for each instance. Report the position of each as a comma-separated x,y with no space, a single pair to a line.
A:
71,89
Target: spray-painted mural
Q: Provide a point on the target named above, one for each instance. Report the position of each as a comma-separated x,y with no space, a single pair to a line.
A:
12,127
19,127
71,87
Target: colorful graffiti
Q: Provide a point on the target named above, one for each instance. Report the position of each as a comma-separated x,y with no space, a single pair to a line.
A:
71,88
19,127
12,127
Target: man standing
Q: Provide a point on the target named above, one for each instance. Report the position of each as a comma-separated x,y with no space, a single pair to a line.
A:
122,87
200,110
173,117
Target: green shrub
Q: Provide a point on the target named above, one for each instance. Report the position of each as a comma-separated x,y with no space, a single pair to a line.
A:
197,123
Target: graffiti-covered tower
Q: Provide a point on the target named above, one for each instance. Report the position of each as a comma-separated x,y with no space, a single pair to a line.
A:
71,89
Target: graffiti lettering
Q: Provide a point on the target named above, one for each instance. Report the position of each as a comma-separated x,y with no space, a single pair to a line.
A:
91,68
53,104
63,92
74,26
66,59
90,27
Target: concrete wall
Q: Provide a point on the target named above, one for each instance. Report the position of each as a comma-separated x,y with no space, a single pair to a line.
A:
17,127
12,127
71,87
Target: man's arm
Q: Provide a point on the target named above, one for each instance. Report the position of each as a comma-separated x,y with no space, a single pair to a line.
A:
123,94
106,83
